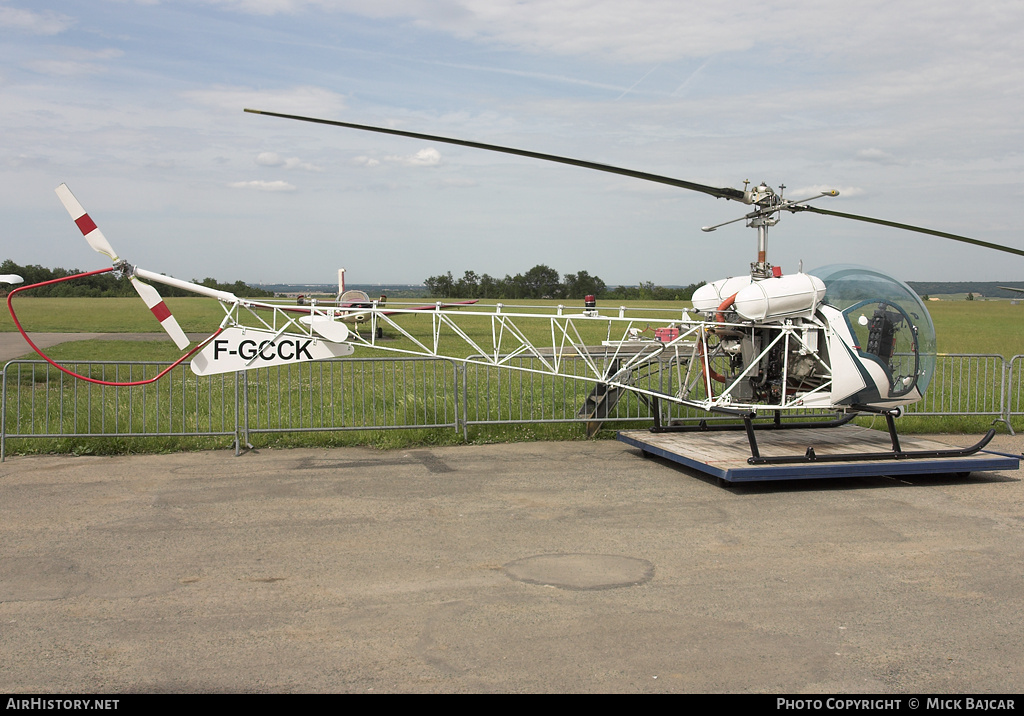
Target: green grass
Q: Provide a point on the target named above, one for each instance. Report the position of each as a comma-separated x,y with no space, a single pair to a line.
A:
995,327
961,326
108,315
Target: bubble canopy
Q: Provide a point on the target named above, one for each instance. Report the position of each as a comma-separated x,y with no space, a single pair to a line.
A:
889,321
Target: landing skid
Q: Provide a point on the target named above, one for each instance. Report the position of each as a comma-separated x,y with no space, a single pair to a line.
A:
896,452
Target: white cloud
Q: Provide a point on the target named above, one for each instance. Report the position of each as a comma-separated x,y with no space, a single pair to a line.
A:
652,31
62,68
36,23
77,62
428,157
266,7
876,155
263,185
273,159
302,100
459,182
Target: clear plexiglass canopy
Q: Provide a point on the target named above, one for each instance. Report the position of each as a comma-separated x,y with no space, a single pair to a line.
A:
889,321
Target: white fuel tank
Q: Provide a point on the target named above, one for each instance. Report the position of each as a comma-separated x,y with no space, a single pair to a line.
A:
796,295
710,296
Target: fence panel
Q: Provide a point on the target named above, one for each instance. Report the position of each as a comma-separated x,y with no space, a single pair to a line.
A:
529,395
39,401
351,394
964,384
1015,386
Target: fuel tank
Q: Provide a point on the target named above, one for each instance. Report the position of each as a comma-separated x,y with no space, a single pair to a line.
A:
710,296
793,296
776,298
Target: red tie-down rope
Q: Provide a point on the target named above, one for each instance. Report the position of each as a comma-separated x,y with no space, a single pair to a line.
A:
161,374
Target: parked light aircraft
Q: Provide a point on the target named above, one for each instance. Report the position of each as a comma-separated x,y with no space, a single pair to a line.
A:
843,338
356,302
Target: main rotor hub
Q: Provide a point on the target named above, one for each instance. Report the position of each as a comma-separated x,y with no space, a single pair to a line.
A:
123,269
761,195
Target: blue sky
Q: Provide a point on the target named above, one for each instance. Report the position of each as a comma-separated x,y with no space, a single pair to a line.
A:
912,110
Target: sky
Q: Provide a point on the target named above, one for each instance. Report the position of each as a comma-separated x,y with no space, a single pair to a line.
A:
911,110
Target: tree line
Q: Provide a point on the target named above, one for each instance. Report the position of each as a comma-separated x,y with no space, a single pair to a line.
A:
545,282
106,285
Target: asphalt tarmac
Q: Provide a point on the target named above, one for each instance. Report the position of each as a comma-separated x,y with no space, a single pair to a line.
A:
546,567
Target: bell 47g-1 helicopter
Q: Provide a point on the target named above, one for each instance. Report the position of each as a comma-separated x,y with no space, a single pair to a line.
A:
846,339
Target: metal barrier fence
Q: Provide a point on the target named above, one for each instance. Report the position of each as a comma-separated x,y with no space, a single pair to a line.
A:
1015,387
350,394
965,384
38,401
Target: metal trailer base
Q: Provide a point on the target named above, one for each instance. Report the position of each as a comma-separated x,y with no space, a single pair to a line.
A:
724,454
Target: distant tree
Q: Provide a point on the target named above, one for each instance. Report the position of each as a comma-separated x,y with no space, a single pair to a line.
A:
514,287
107,284
440,286
582,284
468,286
239,288
542,282
647,291
490,287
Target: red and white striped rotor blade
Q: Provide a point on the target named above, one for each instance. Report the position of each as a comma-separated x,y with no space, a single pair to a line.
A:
99,243
85,223
162,312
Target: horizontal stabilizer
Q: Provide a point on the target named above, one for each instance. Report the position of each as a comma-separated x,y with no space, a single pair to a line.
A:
328,328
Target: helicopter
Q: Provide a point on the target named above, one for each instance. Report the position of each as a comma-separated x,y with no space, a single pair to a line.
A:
842,338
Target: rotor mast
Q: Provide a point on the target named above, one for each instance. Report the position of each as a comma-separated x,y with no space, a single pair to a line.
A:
767,201
768,212
769,205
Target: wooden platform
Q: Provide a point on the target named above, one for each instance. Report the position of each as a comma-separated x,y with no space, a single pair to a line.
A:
724,454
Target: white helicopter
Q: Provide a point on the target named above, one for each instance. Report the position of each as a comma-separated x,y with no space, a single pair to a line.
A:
847,339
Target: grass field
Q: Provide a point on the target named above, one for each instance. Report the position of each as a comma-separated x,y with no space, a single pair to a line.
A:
974,327
995,327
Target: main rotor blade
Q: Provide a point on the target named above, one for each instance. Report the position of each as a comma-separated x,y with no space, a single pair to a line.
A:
720,192
909,227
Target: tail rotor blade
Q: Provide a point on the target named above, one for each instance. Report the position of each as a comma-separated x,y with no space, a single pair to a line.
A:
162,312
85,223
99,243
